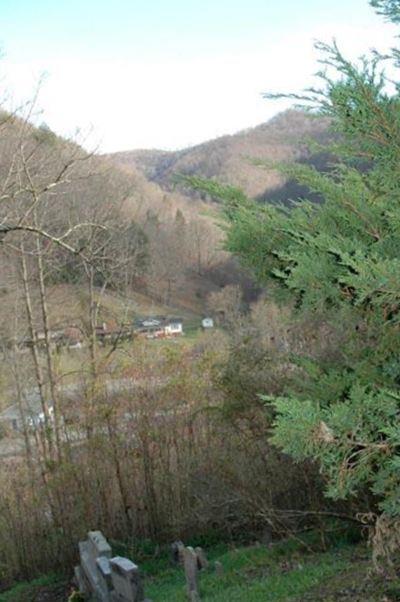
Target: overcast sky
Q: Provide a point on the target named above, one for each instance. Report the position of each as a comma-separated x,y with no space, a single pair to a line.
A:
170,73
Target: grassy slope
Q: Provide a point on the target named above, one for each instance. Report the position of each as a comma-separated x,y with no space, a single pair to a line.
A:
65,304
283,572
251,574
49,588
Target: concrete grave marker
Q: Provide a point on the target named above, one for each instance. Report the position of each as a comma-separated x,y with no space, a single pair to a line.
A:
106,579
177,549
104,572
99,544
191,571
126,580
90,574
202,561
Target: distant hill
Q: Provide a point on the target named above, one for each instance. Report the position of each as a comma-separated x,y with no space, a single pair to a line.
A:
229,159
186,260
179,241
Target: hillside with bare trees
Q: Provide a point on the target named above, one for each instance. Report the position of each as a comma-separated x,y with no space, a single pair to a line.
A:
230,159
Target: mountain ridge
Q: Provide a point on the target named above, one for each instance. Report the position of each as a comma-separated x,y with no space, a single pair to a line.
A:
228,158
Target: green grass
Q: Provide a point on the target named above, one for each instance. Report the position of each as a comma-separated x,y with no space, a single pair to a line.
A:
287,571
28,592
253,574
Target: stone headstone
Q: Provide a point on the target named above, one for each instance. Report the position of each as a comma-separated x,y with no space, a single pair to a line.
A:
104,572
191,571
99,544
202,561
106,579
177,552
90,573
81,581
126,581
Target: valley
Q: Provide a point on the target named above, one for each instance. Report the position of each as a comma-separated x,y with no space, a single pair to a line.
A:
199,376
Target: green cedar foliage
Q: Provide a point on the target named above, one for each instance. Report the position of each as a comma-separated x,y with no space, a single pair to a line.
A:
389,8
340,260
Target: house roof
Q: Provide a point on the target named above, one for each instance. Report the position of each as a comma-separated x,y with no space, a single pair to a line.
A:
154,321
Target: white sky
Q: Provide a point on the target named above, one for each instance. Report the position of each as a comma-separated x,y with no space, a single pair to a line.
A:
154,97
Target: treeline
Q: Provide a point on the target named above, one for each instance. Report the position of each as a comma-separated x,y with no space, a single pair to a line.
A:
137,234
157,461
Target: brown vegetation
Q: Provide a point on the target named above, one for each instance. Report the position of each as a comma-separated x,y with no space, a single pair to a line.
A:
140,439
230,159
152,460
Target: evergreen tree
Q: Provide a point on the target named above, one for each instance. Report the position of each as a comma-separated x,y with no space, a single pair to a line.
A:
340,260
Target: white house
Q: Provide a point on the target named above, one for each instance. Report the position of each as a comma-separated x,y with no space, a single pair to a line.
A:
158,327
173,327
207,323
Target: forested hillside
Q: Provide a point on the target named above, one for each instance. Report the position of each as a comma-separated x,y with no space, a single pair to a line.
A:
200,356
230,159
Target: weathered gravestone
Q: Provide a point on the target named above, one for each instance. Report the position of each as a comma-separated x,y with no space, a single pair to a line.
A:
193,560
126,581
177,552
88,576
191,572
202,561
99,544
104,573
106,579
